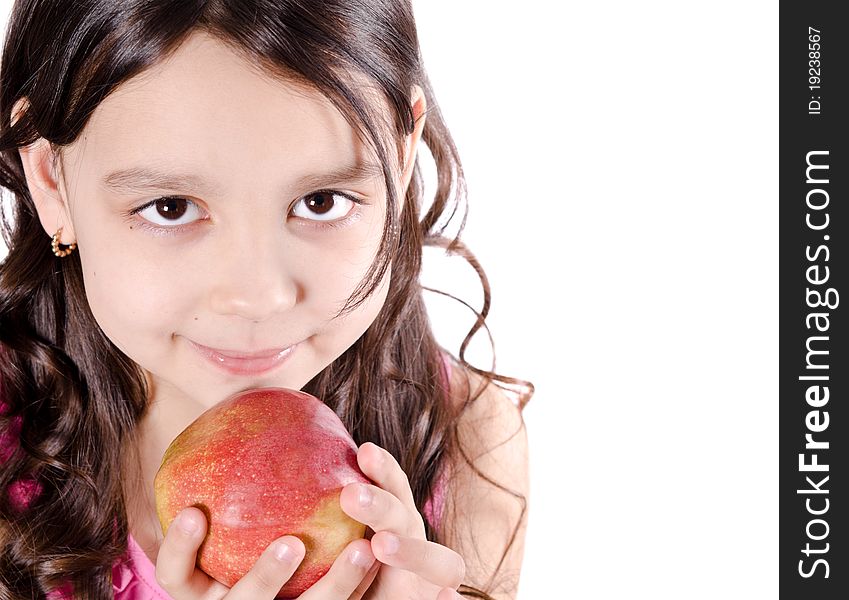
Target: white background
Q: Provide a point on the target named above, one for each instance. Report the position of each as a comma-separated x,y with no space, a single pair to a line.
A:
622,167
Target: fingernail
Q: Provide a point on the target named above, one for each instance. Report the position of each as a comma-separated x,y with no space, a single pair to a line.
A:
390,544
360,559
366,496
284,552
187,523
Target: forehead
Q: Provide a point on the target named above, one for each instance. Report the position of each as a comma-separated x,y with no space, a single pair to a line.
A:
207,108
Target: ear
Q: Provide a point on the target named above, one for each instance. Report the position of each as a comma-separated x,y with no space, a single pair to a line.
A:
419,104
43,183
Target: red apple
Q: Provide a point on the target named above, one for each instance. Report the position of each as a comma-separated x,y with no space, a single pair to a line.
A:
262,464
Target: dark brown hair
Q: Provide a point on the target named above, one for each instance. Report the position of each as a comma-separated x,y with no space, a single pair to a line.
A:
72,397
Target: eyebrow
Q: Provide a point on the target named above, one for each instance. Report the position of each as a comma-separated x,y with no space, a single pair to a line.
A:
142,178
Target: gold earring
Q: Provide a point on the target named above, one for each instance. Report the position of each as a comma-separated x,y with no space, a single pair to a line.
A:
55,245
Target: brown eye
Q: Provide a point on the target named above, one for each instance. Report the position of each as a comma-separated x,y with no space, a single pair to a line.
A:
167,212
323,206
171,208
320,203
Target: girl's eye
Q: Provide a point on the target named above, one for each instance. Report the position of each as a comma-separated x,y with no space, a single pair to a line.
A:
324,205
169,209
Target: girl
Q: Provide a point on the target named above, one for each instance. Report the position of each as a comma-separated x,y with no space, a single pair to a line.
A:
232,199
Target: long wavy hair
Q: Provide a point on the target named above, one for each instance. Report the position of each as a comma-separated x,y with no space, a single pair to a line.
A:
72,398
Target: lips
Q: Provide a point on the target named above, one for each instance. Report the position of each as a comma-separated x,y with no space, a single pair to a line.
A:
246,355
241,363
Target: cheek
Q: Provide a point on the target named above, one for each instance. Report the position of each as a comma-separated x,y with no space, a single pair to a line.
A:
337,335
332,268
127,298
355,322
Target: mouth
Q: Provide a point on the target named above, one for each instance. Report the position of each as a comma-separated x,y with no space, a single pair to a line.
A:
245,363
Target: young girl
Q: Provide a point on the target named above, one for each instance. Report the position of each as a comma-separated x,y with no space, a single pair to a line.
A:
232,199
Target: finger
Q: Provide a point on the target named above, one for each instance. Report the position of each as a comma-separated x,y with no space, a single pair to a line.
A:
436,563
365,584
381,467
175,563
449,594
346,574
380,510
273,568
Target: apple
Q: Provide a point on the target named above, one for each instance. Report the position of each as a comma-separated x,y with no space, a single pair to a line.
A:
261,464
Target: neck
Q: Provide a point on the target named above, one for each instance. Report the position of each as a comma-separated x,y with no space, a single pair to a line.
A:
163,421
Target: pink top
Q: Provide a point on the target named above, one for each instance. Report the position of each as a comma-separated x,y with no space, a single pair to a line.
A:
134,578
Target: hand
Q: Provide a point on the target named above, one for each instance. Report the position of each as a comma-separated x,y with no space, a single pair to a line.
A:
416,568
177,574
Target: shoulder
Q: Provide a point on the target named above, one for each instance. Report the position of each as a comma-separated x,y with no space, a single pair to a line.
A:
492,419
486,523
491,434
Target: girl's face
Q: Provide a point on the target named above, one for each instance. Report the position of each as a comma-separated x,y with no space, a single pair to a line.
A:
246,255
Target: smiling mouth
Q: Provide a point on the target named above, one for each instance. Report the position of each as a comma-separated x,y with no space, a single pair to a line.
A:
245,364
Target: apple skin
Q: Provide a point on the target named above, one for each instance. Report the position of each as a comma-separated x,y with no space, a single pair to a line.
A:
261,464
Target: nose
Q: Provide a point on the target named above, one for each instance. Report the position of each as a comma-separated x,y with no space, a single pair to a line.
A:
253,278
